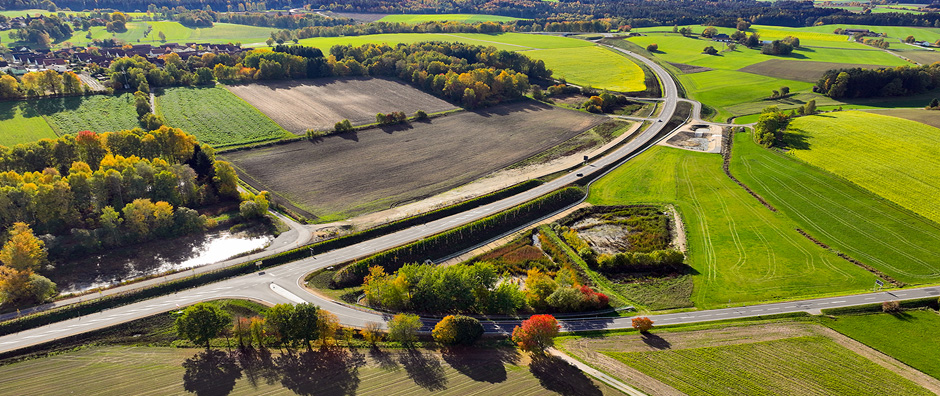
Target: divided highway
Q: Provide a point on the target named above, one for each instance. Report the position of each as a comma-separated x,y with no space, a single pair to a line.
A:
284,284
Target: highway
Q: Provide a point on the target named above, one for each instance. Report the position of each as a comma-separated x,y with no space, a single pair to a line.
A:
284,284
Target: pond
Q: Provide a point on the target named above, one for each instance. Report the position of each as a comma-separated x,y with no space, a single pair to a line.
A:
113,267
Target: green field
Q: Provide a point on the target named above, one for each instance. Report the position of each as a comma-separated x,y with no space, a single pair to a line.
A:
608,69
465,18
221,33
908,336
841,214
565,56
741,251
216,116
337,371
19,123
96,113
867,150
800,365
733,92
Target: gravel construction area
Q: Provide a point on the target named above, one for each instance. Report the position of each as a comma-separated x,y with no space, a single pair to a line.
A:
344,175
318,104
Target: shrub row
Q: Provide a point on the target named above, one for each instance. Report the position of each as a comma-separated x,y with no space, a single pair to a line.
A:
458,238
100,304
656,261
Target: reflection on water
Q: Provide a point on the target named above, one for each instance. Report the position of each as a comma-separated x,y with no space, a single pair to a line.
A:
151,258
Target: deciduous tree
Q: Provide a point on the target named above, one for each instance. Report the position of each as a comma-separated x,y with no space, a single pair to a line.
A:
201,323
404,328
536,333
642,323
457,329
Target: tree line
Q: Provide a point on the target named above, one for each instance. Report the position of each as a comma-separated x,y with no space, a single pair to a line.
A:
380,27
866,83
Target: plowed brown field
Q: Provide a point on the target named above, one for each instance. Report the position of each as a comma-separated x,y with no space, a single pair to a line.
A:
360,172
318,104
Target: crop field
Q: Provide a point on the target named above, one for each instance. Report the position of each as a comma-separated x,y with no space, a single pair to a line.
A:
20,124
895,32
929,117
216,116
221,33
358,172
608,69
734,92
96,113
909,339
319,104
182,371
741,251
798,70
923,57
841,214
465,18
866,149
798,365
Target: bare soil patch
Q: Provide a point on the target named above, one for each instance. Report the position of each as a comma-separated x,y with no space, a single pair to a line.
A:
920,56
929,117
799,70
348,174
689,69
318,104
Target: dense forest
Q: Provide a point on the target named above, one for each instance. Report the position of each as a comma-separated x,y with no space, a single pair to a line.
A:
866,83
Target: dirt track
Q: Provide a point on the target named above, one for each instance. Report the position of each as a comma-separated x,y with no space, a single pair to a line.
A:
319,104
348,174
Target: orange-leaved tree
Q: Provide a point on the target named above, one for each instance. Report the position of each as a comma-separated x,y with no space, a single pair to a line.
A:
643,324
536,333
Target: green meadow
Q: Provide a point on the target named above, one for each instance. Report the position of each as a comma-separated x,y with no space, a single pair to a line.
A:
741,251
839,213
565,56
221,33
465,18
907,336
19,123
867,150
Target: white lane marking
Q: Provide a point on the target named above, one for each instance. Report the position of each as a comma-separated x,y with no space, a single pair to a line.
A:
286,294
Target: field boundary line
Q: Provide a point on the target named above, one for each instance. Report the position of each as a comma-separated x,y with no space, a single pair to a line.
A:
611,381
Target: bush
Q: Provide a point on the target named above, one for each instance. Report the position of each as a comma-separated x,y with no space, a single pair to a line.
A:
659,260
420,115
652,47
342,126
457,329
891,306
642,323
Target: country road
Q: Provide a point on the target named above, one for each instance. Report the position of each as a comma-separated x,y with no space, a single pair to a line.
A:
284,284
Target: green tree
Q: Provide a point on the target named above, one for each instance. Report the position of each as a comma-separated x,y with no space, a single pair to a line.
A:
709,32
303,323
770,126
225,180
934,104
278,321
652,47
710,50
201,323
404,328
457,329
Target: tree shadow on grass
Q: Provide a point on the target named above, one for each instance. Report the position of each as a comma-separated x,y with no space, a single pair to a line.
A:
560,376
384,359
328,371
655,341
210,373
796,139
424,369
481,364
258,366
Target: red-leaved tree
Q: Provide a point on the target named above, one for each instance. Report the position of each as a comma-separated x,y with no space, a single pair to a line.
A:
536,333
643,324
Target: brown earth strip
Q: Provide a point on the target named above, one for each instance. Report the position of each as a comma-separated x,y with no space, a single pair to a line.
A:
689,69
798,70
318,104
359,172
727,141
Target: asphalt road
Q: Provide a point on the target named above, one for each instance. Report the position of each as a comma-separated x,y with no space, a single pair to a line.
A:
284,284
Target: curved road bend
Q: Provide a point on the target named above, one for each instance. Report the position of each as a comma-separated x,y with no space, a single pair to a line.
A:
285,283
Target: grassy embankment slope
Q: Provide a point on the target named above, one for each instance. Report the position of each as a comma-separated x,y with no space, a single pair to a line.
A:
733,92
565,56
867,149
846,217
216,116
907,336
741,250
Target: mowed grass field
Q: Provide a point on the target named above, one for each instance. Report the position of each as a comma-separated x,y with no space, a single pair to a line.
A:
96,113
796,70
465,18
343,175
851,219
318,104
216,116
929,117
565,56
181,371
799,365
741,251
221,33
892,157
907,336
19,123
